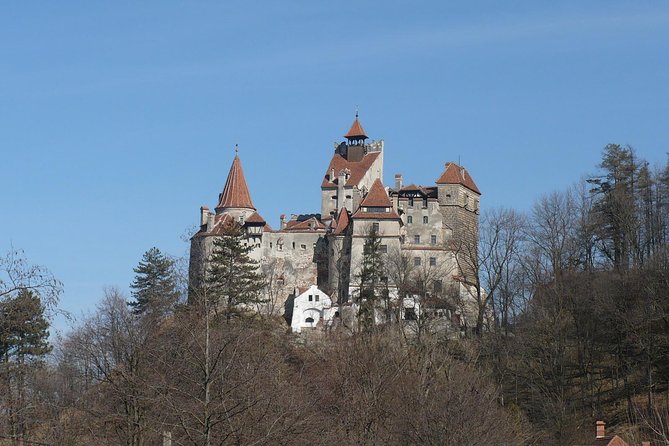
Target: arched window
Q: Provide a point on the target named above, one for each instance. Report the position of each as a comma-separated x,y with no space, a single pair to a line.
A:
309,320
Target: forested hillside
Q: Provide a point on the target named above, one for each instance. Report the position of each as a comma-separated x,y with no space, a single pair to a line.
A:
579,290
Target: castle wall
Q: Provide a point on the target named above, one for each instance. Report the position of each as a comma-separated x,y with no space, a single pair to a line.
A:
291,260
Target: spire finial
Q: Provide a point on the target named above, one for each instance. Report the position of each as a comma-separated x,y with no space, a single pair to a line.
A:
356,112
236,149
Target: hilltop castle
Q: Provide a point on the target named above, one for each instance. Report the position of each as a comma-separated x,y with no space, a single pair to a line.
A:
422,230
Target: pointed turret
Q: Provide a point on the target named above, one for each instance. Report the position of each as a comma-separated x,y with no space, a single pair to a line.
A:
356,134
235,193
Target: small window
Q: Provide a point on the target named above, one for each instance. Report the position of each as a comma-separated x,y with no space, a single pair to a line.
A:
303,246
416,261
311,297
425,219
437,286
433,239
293,245
433,261
416,239
317,297
409,314
383,249
409,219
270,245
410,202
424,203
309,320
375,227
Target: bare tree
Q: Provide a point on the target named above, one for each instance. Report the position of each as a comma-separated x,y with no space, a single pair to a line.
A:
485,265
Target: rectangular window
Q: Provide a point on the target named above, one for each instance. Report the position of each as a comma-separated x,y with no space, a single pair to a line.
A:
416,239
433,239
303,246
424,203
293,245
383,248
317,297
437,286
311,297
425,219
409,219
433,261
410,202
376,209
375,227
416,261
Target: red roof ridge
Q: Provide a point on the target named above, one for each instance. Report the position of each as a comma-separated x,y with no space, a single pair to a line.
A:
255,218
455,174
358,169
236,192
377,196
342,222
356,130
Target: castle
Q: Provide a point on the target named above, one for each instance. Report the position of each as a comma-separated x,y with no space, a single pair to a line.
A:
422,232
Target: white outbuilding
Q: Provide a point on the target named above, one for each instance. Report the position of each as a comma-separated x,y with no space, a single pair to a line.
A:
311,307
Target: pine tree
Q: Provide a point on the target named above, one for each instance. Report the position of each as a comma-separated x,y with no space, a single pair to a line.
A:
371,278
154,287
233,280
24,341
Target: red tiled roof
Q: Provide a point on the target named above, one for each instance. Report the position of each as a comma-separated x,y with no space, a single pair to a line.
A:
255,218
358,169
342,222
454,174
356,130
236,192
222,224
305,225
377,196
392,215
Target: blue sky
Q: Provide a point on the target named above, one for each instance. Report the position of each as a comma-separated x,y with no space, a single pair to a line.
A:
118,120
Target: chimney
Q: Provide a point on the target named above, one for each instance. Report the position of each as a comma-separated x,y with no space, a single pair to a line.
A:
210,222
398,181
204,215
283,221
601,429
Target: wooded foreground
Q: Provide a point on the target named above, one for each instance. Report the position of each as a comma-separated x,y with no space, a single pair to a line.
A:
579,291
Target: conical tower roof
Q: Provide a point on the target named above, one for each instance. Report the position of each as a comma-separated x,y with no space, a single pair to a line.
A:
356,131
236,192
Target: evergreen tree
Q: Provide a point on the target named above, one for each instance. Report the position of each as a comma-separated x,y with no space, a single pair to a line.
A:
615,207
233,280
24,340
154,287
372,278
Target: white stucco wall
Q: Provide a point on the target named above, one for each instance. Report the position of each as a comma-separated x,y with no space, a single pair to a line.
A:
311,304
